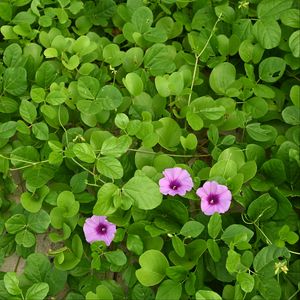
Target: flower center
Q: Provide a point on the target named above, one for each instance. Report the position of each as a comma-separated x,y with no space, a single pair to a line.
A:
174,185
213,199
102,229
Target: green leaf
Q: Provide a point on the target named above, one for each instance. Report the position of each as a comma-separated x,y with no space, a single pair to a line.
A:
78,182
294,43
269,288
274,169
33,202
246,282
291,18
88,87
101,292
213,250
46,74
56,97
233,261
28,111
262,208
265,259
38,222
223,168
117,257
214,225
12,55
142,19
135,244
221,77
135,189
8,129
114,146
15,223
294,95
110,97
272,9
291,115
36,268
194,120
41,131
169,290
11,283
5,11
271,69
267,32
256,107
37,176
178,246
8,105
15,80
207,295
236,233
153,268
159,59
37,291
110,167
66,200
25,238
133,84
104,205
192,229
260,133
169,133
84,152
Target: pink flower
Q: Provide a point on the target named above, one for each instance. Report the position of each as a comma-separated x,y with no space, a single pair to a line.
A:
97,228
176,181
214,198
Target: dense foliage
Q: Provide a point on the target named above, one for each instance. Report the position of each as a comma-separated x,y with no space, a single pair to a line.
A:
98,98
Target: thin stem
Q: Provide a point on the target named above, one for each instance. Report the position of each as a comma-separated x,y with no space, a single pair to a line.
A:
197,56
293,252
291,298
17,264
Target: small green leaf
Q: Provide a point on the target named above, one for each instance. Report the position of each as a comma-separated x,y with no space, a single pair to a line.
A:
15,223
11,283
135,189
25,238
192,229
214,225
221,77
207,295
84,152
28,111
267,32
153,268
15,80
117,257
110,167
246,281
37,291
271,69
41,131
294,43
178,246
135,244
169,290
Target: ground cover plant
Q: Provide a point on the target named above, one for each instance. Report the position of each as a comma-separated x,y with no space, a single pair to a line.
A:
149,149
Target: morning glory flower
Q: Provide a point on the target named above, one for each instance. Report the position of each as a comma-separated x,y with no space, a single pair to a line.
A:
176,181
214,198
97,228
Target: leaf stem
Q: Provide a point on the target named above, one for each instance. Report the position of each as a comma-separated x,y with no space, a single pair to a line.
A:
197,56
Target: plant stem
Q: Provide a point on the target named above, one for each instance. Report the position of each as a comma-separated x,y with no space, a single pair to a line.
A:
197,56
